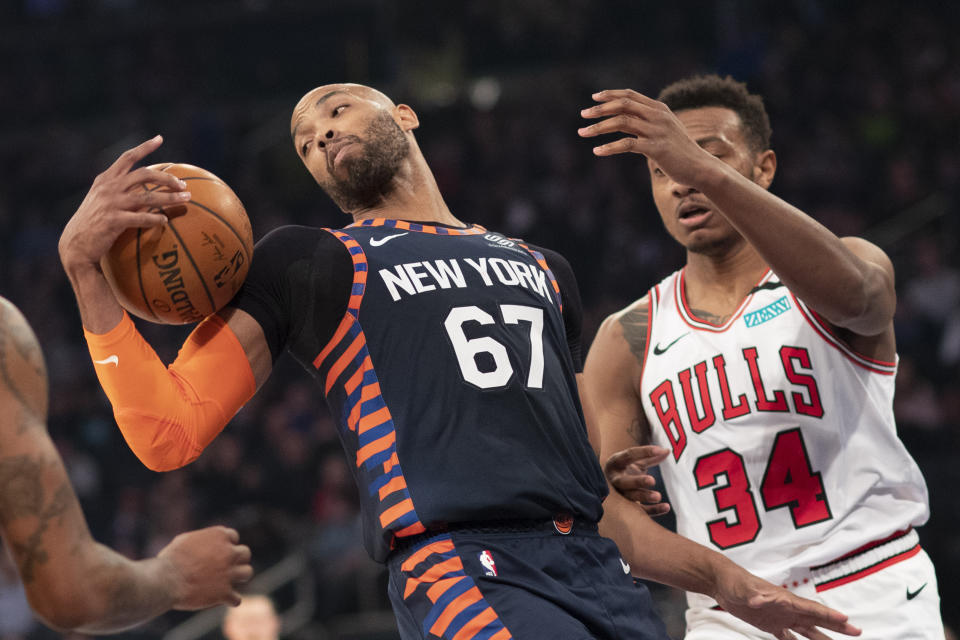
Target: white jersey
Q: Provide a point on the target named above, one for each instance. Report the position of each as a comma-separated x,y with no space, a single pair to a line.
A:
784,447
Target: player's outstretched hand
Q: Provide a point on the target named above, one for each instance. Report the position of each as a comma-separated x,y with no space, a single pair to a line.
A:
207,566
652,129
118,200
776,610
627,472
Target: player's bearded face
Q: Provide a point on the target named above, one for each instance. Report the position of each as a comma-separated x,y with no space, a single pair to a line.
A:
365,178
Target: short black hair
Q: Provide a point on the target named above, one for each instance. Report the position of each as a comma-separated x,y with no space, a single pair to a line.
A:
713,91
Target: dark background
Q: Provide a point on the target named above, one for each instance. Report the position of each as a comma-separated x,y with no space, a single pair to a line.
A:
865,103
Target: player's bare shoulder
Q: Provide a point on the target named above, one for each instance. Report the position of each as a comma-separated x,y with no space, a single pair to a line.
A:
23,377
630,326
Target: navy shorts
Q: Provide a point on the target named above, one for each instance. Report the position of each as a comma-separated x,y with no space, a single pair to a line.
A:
525,581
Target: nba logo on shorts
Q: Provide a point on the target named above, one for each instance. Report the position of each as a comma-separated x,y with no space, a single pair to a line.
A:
486,559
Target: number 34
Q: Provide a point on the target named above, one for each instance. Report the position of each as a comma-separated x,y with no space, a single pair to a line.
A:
788,481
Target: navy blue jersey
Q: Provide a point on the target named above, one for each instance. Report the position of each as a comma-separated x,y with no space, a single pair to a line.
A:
449,376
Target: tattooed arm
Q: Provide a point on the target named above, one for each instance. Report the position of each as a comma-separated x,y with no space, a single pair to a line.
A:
73,582
612,378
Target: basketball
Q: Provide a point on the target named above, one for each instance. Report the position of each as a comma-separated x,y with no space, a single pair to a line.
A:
192,265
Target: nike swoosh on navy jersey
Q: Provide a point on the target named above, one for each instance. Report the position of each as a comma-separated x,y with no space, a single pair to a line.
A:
376,243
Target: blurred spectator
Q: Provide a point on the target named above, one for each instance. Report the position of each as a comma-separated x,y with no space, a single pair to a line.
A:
254,619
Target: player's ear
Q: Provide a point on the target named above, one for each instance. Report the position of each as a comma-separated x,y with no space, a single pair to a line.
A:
405,117
764,167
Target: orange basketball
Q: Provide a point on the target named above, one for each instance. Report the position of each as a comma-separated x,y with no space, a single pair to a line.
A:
192,265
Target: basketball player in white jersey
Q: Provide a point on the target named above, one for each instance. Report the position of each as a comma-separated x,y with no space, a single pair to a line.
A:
765,369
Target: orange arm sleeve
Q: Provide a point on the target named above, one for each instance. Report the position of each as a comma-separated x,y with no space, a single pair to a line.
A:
168,415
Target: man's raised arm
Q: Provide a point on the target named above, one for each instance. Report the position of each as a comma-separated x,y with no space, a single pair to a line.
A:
167,415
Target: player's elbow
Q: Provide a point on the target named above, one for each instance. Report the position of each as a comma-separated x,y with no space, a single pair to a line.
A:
865,310
61,607
161,443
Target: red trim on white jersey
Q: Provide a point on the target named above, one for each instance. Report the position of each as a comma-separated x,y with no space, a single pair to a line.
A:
866,560
646,342
825,332
694,322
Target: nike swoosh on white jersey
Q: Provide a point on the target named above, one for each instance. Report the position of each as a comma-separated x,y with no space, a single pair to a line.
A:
376,243
109,359
626,567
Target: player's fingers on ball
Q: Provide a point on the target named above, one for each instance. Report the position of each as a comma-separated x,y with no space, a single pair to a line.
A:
132,156
142,219
155,178
149,199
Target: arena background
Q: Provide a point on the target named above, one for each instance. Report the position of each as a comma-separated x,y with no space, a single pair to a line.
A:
865,103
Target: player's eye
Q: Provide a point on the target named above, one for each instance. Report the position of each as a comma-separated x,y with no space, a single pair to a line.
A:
337,110
658,172
304,147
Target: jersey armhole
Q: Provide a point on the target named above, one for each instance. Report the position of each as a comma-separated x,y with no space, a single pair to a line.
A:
826,332
358,288
653,300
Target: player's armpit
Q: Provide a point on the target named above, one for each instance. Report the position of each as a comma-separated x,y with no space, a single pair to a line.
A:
169,415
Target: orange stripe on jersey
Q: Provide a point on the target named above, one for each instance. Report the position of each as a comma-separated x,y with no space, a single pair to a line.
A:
375,447
412,530
453,609
396,511
441,586
369,392
421,554
437,571
503,634
476,625
391,463
345,359
354,417
375,419
354,381
338,335
394,485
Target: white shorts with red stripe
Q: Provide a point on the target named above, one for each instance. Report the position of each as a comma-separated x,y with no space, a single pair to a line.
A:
888,589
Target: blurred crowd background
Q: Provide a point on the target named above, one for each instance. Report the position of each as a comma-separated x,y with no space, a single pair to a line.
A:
864,99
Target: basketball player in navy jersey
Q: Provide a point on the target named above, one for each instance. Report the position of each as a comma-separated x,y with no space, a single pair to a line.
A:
72,582
449,358
765,369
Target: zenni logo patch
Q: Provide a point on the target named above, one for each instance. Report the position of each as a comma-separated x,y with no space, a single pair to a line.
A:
769,312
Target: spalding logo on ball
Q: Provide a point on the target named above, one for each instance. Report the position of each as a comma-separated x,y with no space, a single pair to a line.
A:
191,266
